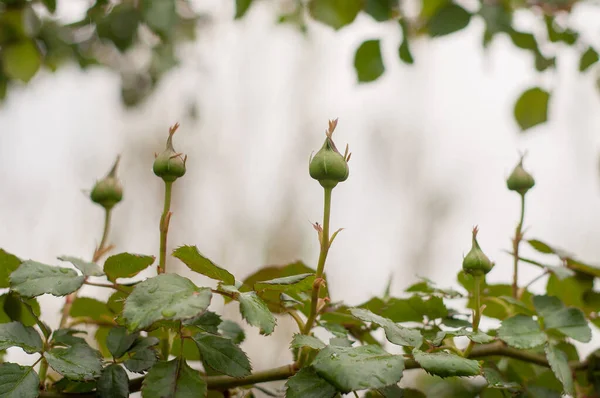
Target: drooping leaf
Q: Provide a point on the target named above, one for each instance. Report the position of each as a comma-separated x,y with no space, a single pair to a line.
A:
368,61
15,334
166,296
588,58
222,355
232,331
113,383
119,341
357,368
8,263
560,366
34,279
541,246
87,268
191,257
67,337
18,381
521,331
173,379
21,60
335,13
448,19
444,364
241,7
77,362
396,334
531,108
254,310
307,384
91,308
302,340
126,265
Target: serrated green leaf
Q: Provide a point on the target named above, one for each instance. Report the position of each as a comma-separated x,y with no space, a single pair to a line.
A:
67,337
173,379
126,265
74,386
191,257
15,334
588,58
141,359
396,334
34,279
477,337
77,362
222,355
495,379
241,8
208,321
358,368
531,108
113,383
254,310
448,19
301,282
119,341
302,340
368,61
569,321
560,366
232,331
18,381
307,384
335,13
91,308
164,297
432,308
8,263
444,364
521,331
87,268
21,60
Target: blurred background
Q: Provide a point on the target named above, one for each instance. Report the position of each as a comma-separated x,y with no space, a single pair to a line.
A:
436,107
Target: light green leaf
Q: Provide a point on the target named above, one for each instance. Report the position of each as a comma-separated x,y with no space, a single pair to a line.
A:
15,334
119,341
521,331
241,8
222,355
126,265
34,279
368,61
87,268
444,364
531,108
113,382
335,13
569,321
160,16
358,368
8,263
588,58
396,334
78,362
21,60
448,19
560,366
302,340
254,310
166,296
541,246
91,308
173,379
18,381
191,257
307,384
232,331
301,282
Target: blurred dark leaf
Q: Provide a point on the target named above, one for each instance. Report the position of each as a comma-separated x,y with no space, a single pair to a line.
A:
241,7
448,19
368,62
531,108
160,16
120,25
381,10
21,60
588,58
335,13
404,50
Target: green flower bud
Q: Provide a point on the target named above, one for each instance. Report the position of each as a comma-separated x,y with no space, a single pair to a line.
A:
476,262
108,191
328,166
520,180
170,165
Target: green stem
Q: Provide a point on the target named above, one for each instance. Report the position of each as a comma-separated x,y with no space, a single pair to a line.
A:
516,243
164,229
110,286
477,312
43,372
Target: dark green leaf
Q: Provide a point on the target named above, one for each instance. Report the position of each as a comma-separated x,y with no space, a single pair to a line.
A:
126,265
91,308
495,379
432,308
335,13
301,282
444,364
160,16
232,331
208,321
556,34
74,386
404,50
307,384
116,301
448,19
525,41
15,334
120,26
18,381
588,58
34,279
50,5
254,310
78,362
368,62
302,340
241,7
141,360
531,108
221,354
569,321
87,268
8,263
560,367
119,341
396,334
358,368
381,10
21,60
497,17
173,379
67,337
191,257
521,331
166,296
113,382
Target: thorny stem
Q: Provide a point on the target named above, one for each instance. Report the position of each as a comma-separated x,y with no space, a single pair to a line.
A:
516,242
476,312
164,229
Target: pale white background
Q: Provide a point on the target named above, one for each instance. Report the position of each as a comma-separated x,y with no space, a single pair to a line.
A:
432,145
